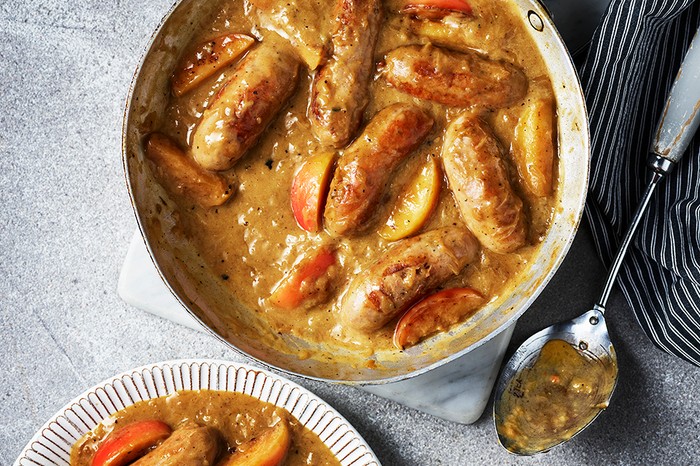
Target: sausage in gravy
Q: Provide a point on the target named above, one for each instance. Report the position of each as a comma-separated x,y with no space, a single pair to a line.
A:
405,273
459,79
479,182
244,106
365,168
340,89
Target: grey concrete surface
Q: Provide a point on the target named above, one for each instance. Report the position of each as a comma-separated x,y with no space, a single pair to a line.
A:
65,223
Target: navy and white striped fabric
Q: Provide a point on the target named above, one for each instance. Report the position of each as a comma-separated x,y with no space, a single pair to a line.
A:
630,68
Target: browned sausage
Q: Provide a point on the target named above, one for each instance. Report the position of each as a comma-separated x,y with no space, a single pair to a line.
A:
405,273
367,164
460,79
244,106
189,445
339,94
479,182
182,177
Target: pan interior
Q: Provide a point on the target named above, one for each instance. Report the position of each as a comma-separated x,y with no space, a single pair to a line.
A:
193,283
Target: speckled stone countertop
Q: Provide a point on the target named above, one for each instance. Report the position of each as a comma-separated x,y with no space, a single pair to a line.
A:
66,222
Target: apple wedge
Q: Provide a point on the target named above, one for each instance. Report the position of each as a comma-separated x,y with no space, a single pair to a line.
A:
181,176
268,449
533,145
436,9
207,59
460,33
123,446
306,24
309,190
415,204
436,313
308,283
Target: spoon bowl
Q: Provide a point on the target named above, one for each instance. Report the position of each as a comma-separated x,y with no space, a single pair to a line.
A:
588,335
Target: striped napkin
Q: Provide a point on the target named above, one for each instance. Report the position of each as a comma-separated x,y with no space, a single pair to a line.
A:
632,62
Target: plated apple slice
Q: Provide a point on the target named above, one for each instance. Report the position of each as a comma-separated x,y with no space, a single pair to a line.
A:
415,204
123,446
309,190
207,59
268,449
308,283
436,9
436,313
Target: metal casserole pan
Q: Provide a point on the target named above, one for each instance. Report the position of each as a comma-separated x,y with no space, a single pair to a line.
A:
208,301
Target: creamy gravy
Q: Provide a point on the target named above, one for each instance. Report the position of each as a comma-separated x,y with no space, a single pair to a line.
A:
252,241
236,416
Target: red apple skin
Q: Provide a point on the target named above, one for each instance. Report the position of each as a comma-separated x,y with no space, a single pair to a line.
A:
308,283
436,9
309,190
436,313
123,446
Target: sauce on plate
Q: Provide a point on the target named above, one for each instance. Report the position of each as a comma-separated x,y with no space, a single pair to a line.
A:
237,417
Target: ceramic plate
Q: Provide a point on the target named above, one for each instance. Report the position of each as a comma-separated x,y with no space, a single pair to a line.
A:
52,444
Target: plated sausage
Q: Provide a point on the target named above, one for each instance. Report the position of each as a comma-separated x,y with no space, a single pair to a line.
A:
460,79
405,273
479,182
189,445
366,166
244,106
339,93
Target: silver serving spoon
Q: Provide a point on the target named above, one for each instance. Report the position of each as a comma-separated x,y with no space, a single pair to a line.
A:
518,429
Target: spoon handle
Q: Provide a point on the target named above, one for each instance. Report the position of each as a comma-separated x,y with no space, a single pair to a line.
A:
627,240
681,116
678,123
